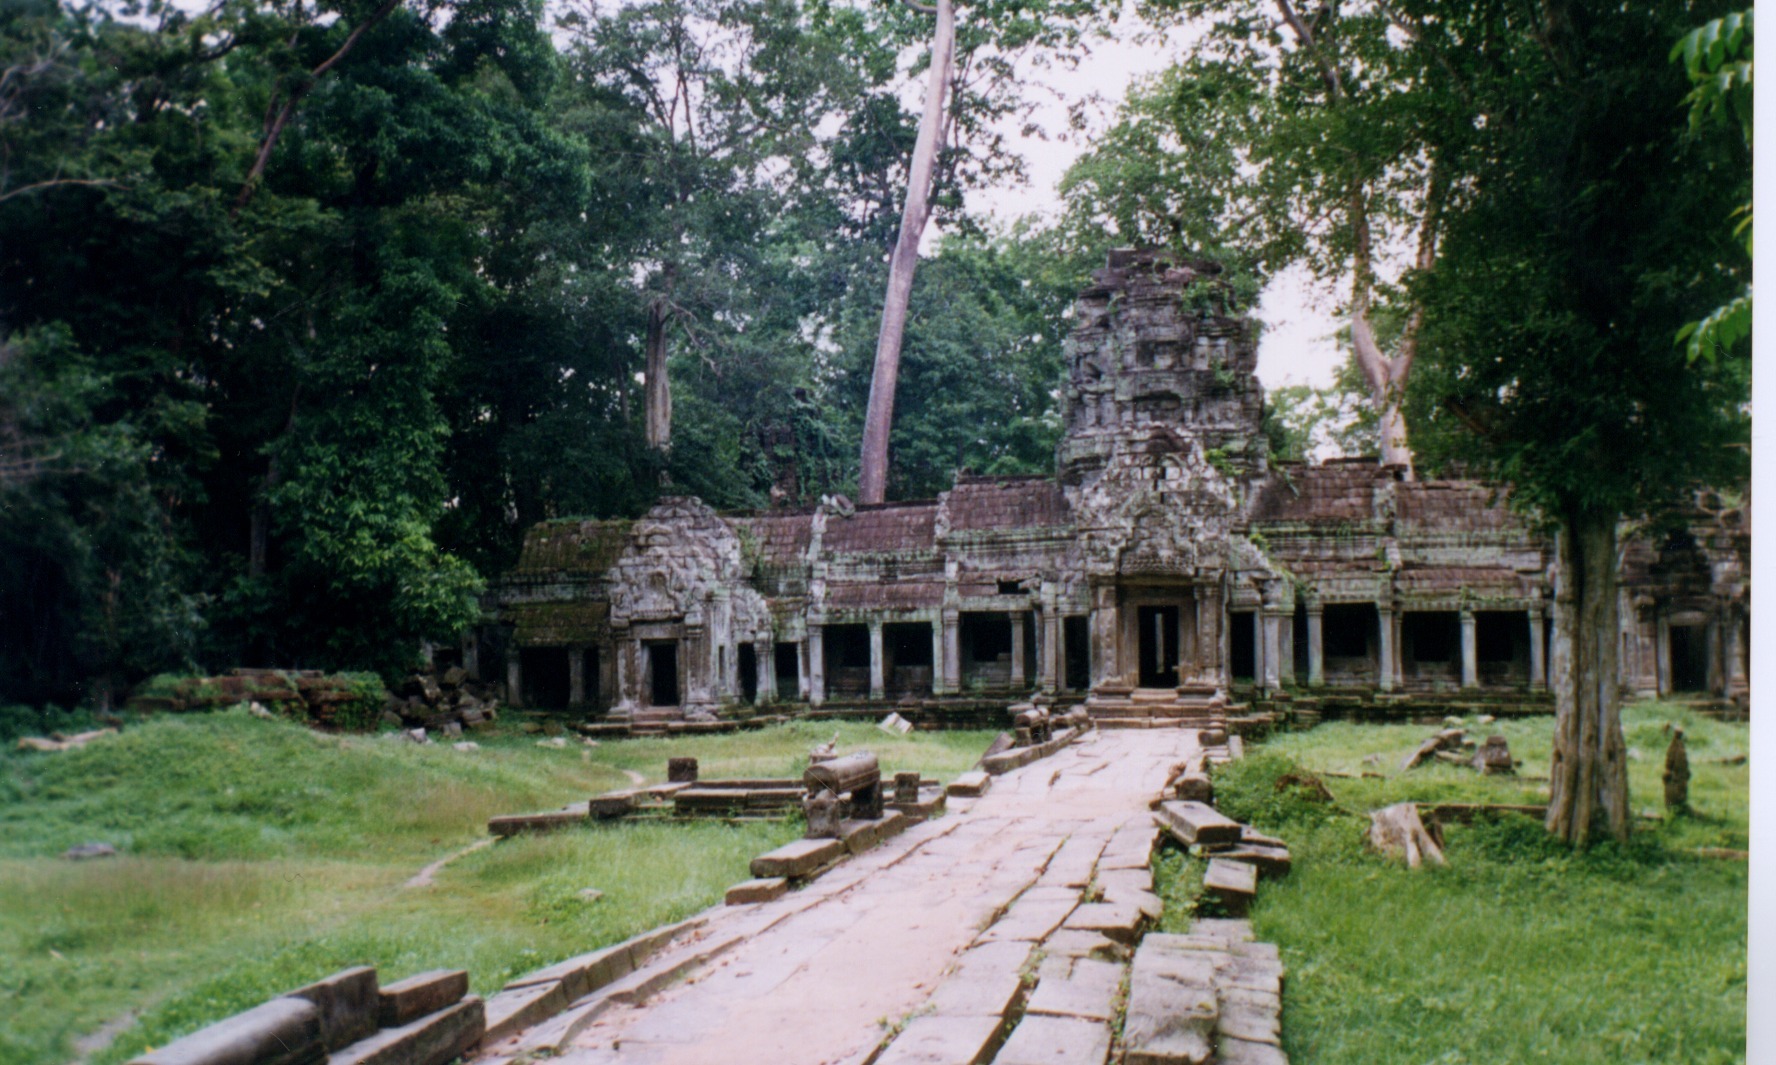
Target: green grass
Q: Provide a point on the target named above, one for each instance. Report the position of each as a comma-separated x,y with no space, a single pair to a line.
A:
1519,950
258,855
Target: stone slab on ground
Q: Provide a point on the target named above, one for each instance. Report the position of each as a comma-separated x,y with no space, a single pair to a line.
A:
1195,822
1056,1041
1120,921
513,824
348,1003
1076,987
1234,883
1072,865
971,785
983,982
284,1031
1253,1023
937,1039
933,800
434,1039
798,858
582,974
1172,1007
405,1001
515,1010
1031,918
1269,861
765,889
1077,943
1242,1052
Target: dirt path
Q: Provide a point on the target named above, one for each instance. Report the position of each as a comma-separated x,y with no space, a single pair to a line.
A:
824,974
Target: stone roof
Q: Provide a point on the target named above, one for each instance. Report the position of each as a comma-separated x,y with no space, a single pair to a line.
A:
899,595
886,527
977,504
780,539
1335,492
559,624
1454,506
572,546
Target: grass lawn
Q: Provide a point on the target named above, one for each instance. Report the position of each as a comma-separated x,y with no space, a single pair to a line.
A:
258,855
1518,951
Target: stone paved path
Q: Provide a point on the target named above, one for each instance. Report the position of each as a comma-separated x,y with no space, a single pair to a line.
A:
820,975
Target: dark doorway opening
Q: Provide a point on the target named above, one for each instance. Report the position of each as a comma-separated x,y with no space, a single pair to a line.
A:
1298,625
1032,671
1242,644
789,670
1158,643
749,673
663,672
847,660
1347,629
545,677
1431,637
906,653
986,650
1689,659
1076,639
589,663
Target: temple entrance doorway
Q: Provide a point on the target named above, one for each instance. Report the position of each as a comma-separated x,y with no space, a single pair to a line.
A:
1157,640
662,672
749,674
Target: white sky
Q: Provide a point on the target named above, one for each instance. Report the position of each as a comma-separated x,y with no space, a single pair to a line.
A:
1296,347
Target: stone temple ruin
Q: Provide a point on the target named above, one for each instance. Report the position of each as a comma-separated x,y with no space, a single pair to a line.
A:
1168,567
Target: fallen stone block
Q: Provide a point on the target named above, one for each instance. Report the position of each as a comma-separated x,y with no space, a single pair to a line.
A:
761,890
938,1039
1078,943
612,805
284,1031
1269,861
405,1001
797,859
1234,883
971,785
1195,822
860,836
515,1010
512,824
1042,1040
434,1039
349,1005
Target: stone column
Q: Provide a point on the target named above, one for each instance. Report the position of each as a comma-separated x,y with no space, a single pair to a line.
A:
1017,650
576,676
1470,651
816,666
1316,645
1717,675
1734,664
804,681
514,678
1286,647
1388,655
952,650
878,682
1272,674
471,654
1049,653
1662,654
1106,666
1538,650
937,656
764,653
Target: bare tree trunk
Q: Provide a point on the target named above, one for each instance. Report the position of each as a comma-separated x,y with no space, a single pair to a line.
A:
659,390
872,482
1589,773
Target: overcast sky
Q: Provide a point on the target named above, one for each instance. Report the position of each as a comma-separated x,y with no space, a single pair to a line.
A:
1296,347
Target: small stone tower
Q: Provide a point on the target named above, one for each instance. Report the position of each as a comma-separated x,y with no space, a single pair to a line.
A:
1154,347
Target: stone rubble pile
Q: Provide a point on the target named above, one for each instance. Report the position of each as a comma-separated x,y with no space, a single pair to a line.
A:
446,703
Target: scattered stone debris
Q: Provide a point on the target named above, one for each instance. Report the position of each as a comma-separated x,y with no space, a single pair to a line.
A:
895,724
1397,829
1449,741
557,742
1494,758
417,735
590,894
84,851
58,742
466,745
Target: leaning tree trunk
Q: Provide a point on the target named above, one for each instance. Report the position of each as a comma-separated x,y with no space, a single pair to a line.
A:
1589,773
872,480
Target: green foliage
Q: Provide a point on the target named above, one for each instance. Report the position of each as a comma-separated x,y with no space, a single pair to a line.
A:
1717,56
1389,965
1253,790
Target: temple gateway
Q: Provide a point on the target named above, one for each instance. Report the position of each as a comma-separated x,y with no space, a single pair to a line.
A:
1167,567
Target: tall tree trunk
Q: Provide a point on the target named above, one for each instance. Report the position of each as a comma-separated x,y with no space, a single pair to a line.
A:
1589,773
872,481
659,390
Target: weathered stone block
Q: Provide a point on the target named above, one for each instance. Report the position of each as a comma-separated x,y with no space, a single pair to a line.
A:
583,974
434,1039
936,1039
1120,921
405,1001
1171,1009
984,981
801,858
1234,883
761,890
284,1031
348,1003
1039,1040
515,1010
1195,822
1077,987
681,770
971,785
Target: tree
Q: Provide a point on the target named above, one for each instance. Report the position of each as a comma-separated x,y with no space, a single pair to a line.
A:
1585,232
1717,58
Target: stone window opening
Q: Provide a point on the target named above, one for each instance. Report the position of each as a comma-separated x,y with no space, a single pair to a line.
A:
986,650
